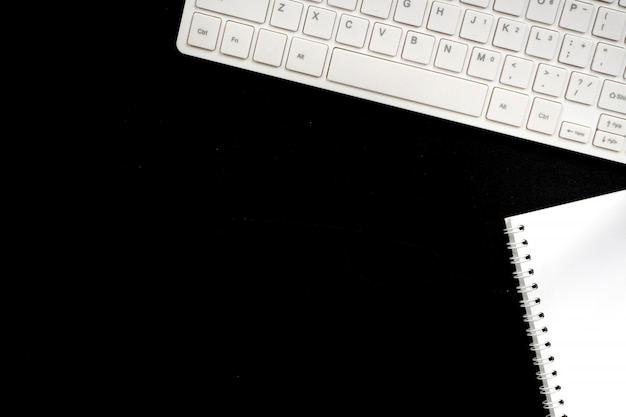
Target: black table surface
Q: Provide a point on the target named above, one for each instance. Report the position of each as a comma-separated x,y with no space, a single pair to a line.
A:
271,247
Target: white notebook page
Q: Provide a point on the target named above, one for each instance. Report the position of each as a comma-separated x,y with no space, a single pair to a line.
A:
578,255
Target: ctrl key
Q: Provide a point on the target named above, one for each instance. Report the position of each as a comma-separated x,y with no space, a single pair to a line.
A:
204,31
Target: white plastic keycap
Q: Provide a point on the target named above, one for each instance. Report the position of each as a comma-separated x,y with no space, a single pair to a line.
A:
407,82
253,10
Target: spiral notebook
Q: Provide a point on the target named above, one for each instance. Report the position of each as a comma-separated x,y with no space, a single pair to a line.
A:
570,261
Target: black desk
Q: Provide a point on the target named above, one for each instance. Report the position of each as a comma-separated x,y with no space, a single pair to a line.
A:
275,247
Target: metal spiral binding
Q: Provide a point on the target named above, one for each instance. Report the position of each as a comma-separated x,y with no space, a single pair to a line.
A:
523,274
520,259
529,318
527,288
535,329
537,332
544,376
517,245
552,404
550,390
543,361
535,347
530,302
515,229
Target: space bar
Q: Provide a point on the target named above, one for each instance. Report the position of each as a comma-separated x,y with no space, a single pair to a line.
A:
407,82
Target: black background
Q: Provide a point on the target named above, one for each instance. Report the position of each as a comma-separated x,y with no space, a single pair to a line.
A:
268,247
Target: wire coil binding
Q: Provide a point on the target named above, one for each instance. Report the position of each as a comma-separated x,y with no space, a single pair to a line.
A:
520,259
530,302
553,404
550,390
535,347
523,274
519,246
529,318
544,376
543,361
537,332
516,229
527,288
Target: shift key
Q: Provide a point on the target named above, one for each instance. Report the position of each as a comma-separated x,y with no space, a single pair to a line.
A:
253,10
613,97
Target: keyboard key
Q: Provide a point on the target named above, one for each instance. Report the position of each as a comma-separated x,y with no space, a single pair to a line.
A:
575,132
352,31
237,40
582,88
286,15
385,39
307,57
543,11
479,3
484,64
451,55
608,59
609,141
253,10
542,43
476,26
610,24
576,15
270,47
343,4
204,31
411,12
550,80
613,97
517,72
512,7
612,124
378,8
443,18
510,35
407,82
319,22
544,116
418,47
576,51
507,107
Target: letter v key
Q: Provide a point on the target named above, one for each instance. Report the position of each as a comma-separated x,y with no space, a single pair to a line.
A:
385,39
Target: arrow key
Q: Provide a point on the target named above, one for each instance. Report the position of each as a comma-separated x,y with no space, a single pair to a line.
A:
609,141
575,132
612,124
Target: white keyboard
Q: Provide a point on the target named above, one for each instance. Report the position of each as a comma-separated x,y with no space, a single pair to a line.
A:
550,71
